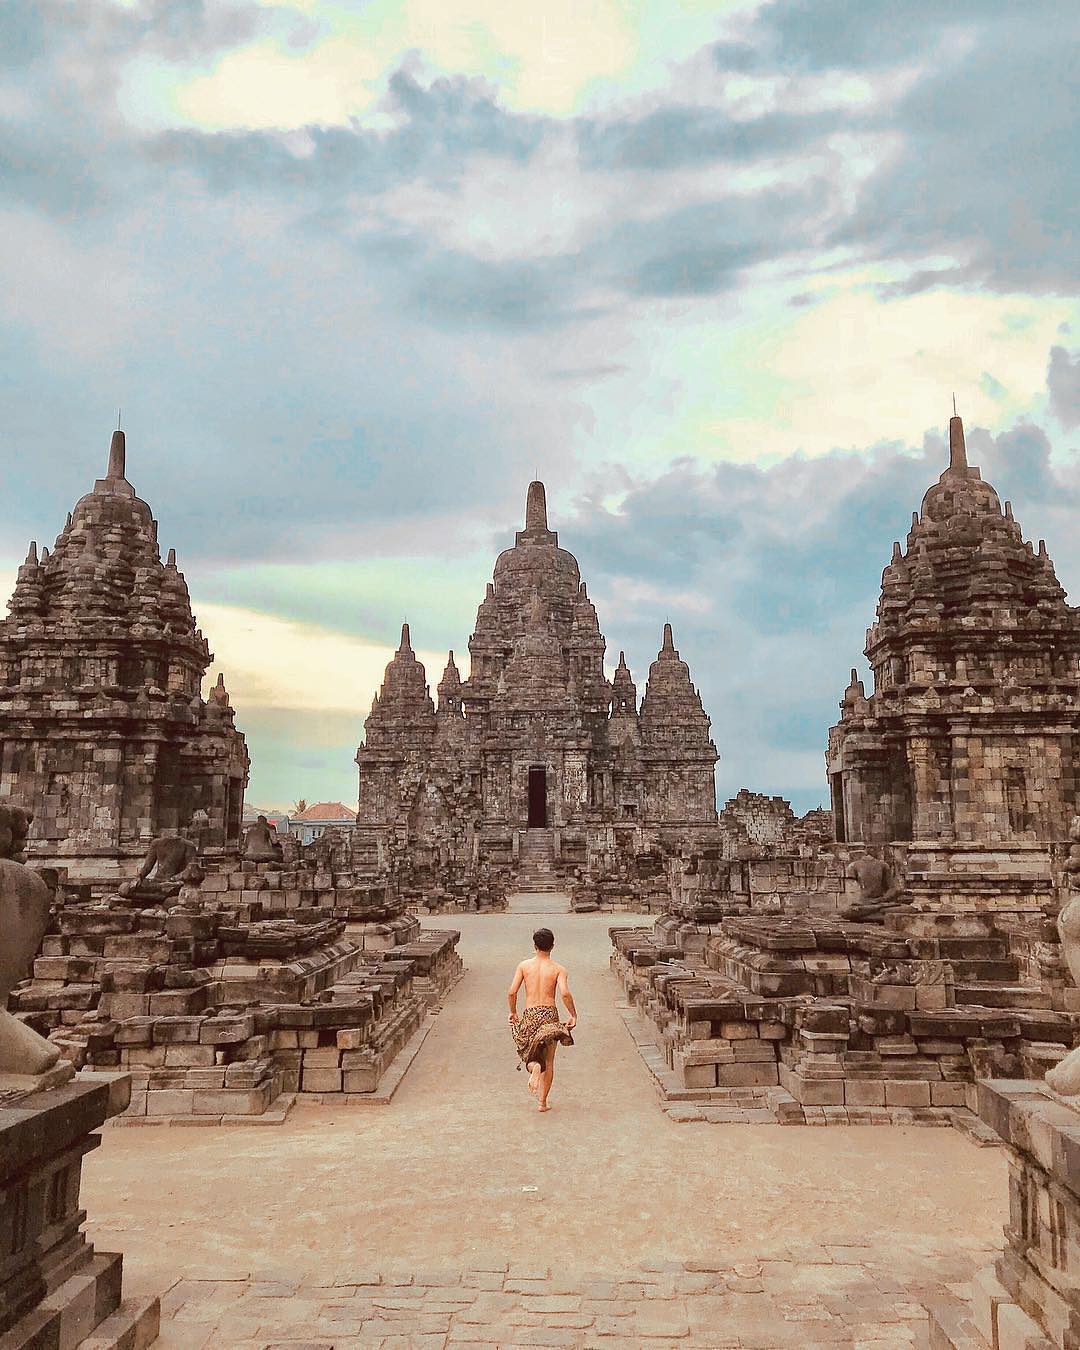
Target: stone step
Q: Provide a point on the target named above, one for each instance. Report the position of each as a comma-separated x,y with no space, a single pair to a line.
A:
133,1326
72,1311
988,994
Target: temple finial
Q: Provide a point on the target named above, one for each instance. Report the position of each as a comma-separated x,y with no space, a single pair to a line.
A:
669,641
406,645
31,554
170,561
536,507
117,455
957,449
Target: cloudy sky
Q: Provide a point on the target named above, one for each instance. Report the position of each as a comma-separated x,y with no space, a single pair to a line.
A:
356,270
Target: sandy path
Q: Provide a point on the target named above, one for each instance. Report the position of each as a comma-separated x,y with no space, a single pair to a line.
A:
439,1177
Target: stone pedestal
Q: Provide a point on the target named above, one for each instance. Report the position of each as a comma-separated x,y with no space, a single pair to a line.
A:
1030,1298
56,1292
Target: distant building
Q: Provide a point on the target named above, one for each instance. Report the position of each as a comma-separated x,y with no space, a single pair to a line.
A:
537,751
308,824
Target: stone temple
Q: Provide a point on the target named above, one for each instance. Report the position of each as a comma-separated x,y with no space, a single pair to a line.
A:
972,732
537,763
104,732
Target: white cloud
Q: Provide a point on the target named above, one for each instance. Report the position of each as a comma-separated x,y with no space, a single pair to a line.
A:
278,663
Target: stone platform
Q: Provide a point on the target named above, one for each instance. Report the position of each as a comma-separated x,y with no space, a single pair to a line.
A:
227,999
56,1292
812,1016
1029,1299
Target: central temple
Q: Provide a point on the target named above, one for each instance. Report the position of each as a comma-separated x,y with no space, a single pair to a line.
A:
537,761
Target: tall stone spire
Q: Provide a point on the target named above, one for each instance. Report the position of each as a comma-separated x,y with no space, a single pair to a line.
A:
957,449
117,456
536,523
536,507
405,708
675,735
115,483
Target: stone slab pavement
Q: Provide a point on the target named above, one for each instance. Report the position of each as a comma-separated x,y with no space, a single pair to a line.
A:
808,1296
461,1173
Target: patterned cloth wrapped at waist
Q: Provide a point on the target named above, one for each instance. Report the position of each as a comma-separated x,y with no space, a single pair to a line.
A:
534,1028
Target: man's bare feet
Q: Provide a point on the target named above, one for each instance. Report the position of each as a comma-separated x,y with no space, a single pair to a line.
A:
543,1107
534,1079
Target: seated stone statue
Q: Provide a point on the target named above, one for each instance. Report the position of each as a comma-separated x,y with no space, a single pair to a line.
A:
260,844
168,862
25,901
878,890
1064,1078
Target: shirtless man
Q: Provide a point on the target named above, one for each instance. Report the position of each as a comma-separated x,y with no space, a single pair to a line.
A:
538,1032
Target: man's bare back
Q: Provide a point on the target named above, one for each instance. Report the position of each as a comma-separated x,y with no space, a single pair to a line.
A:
542,978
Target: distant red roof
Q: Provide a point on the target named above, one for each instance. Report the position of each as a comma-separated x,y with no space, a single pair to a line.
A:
326,811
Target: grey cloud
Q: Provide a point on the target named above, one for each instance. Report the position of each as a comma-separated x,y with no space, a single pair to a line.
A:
774,575
1063,381
676,136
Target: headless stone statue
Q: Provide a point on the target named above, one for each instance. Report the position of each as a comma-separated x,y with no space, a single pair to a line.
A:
878,890
167,863
260,844
1064,1078
27,1060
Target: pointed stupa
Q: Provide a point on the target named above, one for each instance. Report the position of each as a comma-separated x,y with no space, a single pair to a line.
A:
536,507
405,706
957,449
450,688
117,456
536,519
623,691
115,483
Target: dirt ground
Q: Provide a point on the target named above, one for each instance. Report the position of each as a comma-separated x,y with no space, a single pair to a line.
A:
461,1169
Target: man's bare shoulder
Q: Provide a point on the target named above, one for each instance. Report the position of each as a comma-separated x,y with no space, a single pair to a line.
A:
560,971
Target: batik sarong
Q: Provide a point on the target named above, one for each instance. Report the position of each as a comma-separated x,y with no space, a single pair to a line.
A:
533,1030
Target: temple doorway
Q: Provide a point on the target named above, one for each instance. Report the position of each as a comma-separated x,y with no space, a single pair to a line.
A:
538,799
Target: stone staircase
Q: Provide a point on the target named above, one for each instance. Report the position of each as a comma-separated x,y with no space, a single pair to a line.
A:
536,861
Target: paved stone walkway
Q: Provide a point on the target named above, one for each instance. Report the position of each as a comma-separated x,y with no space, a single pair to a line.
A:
460,1176
805,1297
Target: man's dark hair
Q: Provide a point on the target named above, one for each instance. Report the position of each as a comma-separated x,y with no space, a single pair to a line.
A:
543,939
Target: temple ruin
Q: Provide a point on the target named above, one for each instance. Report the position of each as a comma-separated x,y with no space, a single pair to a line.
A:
972,732
535,767
104,732
878,976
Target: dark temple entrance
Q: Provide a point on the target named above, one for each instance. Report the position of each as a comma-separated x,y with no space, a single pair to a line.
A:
537,799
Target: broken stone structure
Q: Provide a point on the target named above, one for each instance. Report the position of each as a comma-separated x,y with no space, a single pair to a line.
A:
226,991
1030,1297
55,1290
535,767
103,726
878,976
